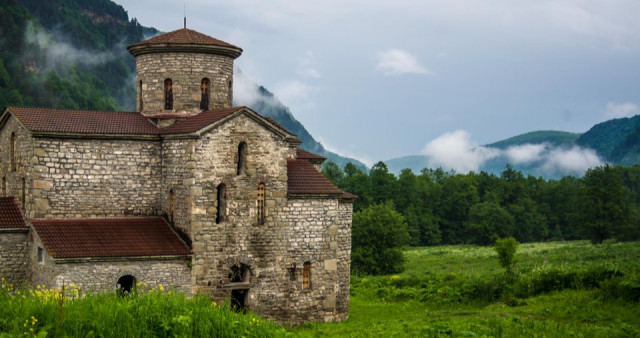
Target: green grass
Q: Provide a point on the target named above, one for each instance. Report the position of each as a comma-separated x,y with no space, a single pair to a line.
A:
563,289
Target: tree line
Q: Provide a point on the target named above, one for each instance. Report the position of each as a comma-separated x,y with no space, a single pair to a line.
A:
443,207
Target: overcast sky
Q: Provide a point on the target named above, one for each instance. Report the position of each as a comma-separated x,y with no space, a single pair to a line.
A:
380,79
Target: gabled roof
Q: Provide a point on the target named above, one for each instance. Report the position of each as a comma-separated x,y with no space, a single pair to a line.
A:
83,121
49,121
305,179
197,122
104,238
305,155
10,215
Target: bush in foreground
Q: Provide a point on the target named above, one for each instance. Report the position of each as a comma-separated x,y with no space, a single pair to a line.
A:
145,313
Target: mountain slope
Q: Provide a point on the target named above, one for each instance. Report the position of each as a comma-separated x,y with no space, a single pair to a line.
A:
265,103
72,54
552,137
608,136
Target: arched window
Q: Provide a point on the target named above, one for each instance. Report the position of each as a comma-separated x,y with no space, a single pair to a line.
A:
125,284
230,93
261,212
306,275
14,145
168,94
171,205
140,104
204,94
242,158
24,194
222,203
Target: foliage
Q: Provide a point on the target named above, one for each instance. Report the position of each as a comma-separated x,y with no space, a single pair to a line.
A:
144,313
506,249
442,207
559,289
378,236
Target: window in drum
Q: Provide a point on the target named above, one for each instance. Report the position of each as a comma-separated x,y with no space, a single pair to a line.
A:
171,205
140,104
168,94
204,94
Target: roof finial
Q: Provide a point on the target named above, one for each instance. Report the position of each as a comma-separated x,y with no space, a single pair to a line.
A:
184,10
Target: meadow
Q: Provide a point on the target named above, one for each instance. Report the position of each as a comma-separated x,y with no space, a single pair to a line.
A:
557,289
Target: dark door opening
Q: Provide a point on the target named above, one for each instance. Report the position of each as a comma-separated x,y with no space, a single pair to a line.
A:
126,284
238,299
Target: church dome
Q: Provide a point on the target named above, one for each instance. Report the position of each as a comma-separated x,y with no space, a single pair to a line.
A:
185,40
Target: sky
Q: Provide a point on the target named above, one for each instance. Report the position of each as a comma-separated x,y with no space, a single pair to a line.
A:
376,79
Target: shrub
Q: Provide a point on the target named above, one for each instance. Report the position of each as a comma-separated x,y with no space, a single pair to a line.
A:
506,249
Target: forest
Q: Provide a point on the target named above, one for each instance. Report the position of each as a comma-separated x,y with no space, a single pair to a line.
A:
443,207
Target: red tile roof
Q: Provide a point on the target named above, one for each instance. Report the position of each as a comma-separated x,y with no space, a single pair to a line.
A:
305,179
305,155
121,237
10,215
184,36
84,121
197,122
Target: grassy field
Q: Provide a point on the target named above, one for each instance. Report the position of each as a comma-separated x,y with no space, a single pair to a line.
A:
570,289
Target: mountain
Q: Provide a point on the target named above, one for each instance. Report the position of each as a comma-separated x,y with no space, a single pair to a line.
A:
72,54
615,140
264,102
552,137
550,154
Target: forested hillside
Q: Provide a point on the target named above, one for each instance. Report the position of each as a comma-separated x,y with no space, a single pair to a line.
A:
442,207
72,54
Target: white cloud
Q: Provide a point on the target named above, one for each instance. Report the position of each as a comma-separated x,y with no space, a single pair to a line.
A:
525,153
307,66
618,110
245,91
575,160
399,62
456,151
298,95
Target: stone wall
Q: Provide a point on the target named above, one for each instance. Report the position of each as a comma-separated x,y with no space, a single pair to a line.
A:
319,233
24,154
14,261
239,238
77,178
186,71
95,276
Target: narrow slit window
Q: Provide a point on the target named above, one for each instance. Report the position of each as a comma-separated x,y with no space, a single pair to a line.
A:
306,276
140,104
230,93
261,211
204,93
4,186
14,145
171,205
40,255
168,94
222,203
242,158
24,194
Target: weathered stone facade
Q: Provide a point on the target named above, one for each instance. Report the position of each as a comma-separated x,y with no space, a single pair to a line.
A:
221,179
13,255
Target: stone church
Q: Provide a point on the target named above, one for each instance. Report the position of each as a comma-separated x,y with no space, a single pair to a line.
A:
187,192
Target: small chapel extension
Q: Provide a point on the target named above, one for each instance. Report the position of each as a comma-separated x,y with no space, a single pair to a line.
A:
188,192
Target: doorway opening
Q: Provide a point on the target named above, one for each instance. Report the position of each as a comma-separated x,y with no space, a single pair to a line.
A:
125,284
